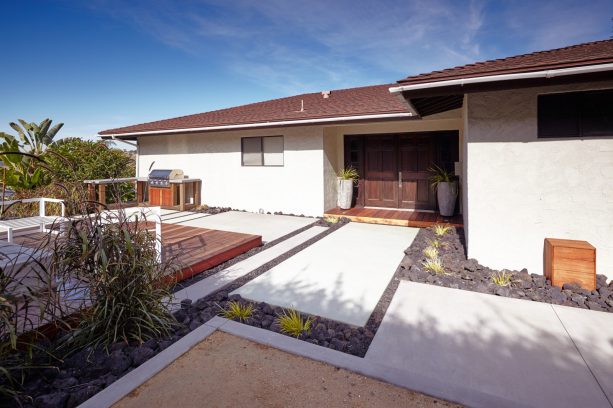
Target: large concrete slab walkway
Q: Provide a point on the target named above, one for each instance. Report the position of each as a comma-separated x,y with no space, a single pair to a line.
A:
527,353
269,227
341,277
225,277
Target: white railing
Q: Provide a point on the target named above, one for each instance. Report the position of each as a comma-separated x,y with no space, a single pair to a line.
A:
41,204
156,212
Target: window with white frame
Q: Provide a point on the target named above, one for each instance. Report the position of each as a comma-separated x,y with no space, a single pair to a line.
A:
262,151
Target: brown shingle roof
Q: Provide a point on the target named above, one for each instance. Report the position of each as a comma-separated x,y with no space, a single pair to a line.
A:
368,100
592,53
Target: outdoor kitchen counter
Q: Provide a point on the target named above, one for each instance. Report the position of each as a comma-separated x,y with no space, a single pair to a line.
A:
186,180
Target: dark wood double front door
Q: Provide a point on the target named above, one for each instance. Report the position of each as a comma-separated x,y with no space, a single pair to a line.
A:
394,167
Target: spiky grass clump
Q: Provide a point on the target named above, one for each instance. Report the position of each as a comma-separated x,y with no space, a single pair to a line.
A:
434,243
113,257
238,311
292,323
502,278
431,252
331,220
434,265
440,230
349,173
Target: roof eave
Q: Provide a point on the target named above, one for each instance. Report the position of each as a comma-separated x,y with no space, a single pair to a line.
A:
551,73
330,120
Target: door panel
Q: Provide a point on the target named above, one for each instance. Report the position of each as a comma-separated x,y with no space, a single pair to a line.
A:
381,174
415,157
395,167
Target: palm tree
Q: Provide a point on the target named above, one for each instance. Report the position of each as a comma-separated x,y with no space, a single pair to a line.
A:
35,137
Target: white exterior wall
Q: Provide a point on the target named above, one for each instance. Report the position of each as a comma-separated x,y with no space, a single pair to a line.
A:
297,187
521,189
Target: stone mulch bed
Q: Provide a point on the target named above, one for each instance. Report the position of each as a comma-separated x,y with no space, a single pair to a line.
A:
468,274
87,372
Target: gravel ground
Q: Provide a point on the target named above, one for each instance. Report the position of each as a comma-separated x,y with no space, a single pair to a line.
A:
228,371
88,371
468,274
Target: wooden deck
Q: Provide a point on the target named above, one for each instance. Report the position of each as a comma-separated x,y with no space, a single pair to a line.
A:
418,219
198,249
194,249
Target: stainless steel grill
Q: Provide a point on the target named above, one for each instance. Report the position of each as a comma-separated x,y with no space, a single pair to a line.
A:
161,178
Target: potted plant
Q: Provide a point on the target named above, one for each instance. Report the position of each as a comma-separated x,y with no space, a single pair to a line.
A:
346,178
446,187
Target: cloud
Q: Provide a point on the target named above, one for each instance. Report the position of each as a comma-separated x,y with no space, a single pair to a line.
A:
295,46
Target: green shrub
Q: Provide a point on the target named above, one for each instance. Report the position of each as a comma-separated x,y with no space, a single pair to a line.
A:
238,311
292,323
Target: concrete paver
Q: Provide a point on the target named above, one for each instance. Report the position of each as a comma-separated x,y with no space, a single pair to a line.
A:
514,349
341,277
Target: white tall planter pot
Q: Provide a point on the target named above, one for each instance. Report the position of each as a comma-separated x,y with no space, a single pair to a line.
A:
345,193
446,194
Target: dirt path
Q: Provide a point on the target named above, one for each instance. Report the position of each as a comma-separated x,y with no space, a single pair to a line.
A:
228,371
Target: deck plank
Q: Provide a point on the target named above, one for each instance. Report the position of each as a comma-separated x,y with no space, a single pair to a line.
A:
194,249
418,219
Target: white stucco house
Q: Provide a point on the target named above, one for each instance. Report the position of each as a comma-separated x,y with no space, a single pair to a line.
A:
530,138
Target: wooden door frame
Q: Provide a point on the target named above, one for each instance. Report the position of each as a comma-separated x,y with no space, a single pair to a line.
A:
360,151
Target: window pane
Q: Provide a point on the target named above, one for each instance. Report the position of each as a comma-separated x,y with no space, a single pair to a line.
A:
597,114
273,151
558,115
252,151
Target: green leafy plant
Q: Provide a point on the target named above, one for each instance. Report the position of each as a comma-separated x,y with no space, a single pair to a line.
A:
502,278
238,311
440,175
292,323
34,137
22,170
440,230
349,173
434,265
431,252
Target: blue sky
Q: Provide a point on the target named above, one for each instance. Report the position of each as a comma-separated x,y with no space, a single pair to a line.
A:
97,64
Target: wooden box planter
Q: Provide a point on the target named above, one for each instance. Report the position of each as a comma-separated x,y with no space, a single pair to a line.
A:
570,261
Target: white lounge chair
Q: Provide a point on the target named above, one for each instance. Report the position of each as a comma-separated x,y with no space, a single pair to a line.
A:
28,223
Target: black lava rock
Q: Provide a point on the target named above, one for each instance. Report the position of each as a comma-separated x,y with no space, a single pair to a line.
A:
55,400
140,355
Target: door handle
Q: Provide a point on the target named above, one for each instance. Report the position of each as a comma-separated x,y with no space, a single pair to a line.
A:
400,179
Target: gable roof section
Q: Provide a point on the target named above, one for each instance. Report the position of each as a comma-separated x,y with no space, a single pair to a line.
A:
592,53
343,103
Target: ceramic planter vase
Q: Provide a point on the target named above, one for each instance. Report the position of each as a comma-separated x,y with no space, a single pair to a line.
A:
345,193
446,194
